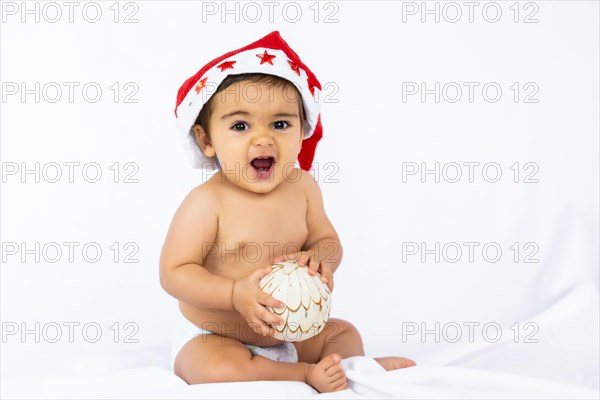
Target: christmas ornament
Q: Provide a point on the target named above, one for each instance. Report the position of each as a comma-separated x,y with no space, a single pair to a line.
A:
307,301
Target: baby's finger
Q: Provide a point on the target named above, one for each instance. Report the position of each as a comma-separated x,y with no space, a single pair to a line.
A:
313,267
286,257
303,258
269,317
279,259
330,284
327,274
268,300
327,277
261,272
292,257
261,328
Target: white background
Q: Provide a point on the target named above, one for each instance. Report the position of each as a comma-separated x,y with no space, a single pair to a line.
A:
370,133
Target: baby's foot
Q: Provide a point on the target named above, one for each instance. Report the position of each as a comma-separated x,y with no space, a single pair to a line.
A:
392,363
327,375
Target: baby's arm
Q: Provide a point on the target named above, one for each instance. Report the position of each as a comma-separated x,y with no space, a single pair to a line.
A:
322,237
322,250
191,236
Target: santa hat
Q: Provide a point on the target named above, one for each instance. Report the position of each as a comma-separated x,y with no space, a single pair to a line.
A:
269,55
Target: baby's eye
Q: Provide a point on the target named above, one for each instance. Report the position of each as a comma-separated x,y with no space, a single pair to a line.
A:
281,125
240,126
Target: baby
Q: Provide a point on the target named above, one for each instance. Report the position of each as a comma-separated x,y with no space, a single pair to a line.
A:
256,210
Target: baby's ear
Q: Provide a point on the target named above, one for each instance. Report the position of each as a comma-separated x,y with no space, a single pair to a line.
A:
204,141
302,128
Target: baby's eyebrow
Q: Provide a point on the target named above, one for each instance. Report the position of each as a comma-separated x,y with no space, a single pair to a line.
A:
285,115
245,113
237,112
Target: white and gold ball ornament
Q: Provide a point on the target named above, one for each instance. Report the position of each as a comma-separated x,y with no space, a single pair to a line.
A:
307,301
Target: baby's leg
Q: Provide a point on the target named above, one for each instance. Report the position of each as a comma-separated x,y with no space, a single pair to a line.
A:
215,358
341,337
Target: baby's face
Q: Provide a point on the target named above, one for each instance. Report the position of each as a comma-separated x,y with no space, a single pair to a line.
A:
256,133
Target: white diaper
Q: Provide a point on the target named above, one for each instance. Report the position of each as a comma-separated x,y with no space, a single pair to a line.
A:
186,331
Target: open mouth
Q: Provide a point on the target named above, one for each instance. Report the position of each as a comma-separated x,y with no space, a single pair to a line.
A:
263,165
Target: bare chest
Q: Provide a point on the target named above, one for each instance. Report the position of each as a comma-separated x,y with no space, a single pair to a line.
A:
252,232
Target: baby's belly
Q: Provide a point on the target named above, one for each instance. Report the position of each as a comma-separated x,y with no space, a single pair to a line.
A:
225,323
237,262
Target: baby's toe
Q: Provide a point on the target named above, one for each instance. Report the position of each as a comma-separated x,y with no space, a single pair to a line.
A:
331,361
401,362
335,375
409,363
334,369
392,363
340,385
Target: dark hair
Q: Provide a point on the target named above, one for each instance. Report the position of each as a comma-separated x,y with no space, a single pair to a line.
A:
270,80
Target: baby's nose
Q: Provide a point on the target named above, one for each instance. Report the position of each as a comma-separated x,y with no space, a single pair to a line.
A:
263,138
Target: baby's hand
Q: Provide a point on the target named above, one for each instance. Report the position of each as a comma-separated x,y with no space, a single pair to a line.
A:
315,265
250,302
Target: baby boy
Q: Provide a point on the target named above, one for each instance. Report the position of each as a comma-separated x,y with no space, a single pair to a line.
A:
252,114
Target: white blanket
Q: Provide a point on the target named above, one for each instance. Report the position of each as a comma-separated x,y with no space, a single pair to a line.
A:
554,368
366,379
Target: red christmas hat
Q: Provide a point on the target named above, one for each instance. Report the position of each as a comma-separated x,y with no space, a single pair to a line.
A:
269,55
